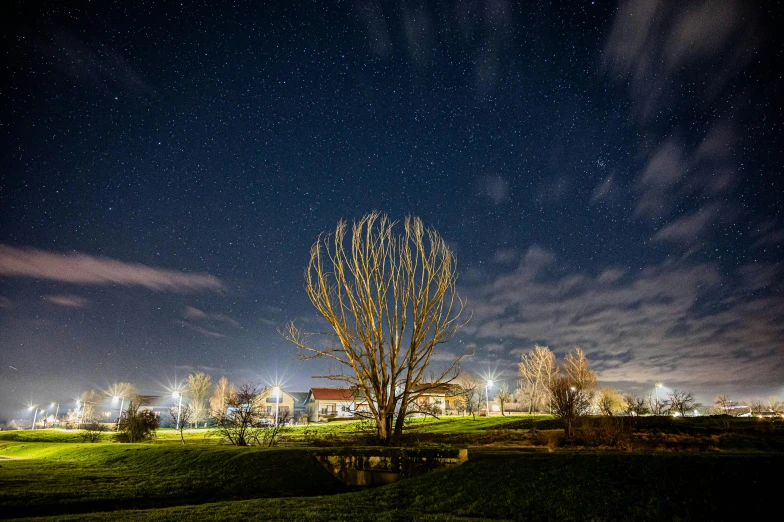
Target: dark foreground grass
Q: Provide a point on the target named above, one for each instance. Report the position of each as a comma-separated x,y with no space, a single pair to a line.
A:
50,478
516,486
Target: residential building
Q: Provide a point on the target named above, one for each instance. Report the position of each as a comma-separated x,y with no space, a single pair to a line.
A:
329,403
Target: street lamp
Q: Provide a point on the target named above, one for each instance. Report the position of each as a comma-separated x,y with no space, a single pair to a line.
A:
178,395
487,395
56,413
276,391
656,387
122,403
35,414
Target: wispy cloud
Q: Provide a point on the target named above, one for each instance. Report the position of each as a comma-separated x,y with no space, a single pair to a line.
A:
195,314
683,323
91,270
657,45
495,187
687,229
69,301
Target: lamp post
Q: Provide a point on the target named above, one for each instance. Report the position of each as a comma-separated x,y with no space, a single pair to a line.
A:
56,413
656,387
178,395
487,395
122,403
276,391
35,414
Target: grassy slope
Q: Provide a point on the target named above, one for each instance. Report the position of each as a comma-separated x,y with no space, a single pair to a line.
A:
70,477
559,486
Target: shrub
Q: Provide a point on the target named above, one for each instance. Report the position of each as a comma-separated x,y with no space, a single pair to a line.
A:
135,425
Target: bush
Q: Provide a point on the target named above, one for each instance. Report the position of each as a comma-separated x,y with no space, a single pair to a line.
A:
550,438
92,431
136,426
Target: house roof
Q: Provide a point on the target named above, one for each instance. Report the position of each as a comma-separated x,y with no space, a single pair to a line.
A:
332,394
447,389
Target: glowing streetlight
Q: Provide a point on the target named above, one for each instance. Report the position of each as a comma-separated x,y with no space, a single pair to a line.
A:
35,414
56,413
487,395
656,387
276,391
122,403
178,395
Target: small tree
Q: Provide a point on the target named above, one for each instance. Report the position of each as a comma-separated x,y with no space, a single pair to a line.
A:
503,397
658,406
87,402
220,397
537,371
634,405
775,404
184,415
470,393
244,415
136,424
609,401
681,402
723,405
199,389
569,402
92,431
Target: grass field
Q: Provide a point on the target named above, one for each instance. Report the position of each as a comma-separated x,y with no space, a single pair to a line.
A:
53,473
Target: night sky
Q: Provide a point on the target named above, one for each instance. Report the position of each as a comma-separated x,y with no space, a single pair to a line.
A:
609,176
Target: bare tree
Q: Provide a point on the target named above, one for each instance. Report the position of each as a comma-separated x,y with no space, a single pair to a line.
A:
183,416
681,402
220,397
609,401
658,406
576,367
537,372
199,388
634,405
775,404
243,416
723,405
470,393
503,397
389,299
569,402
88,402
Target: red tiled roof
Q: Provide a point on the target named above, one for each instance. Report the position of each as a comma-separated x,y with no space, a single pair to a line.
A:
332,394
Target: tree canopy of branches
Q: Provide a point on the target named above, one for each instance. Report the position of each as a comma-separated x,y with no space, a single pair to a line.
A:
681,402
88,402
537,372
181,415
199,388
609,401
389,299
634,405
569,402
470,393
136,424
576,367
504,396
571,392
220,397
244,415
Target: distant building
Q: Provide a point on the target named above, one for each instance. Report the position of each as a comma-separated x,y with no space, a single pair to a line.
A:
329,403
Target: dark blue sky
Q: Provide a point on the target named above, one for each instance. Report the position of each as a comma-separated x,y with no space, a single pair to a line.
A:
608,175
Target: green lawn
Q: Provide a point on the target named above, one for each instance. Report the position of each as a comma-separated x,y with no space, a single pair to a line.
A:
50,472
541,486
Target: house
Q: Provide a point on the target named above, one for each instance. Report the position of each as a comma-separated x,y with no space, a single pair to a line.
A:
286,404
20,424
329,403
442,398
299,404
